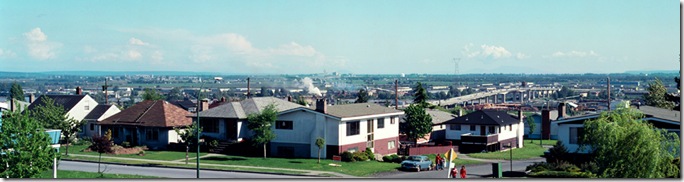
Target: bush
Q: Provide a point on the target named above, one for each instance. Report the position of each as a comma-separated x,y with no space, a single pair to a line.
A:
561,174
347,156
391,158
125,144
399,159
141,153
360,156
591,167
540,166
84,141
369,154
566,166
557,154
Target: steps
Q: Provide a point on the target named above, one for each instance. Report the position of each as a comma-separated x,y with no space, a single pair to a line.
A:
221,147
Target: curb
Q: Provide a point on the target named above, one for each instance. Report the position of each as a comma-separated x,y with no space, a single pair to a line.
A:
175,167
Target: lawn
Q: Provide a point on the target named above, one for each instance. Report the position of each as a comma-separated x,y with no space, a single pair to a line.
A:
529,150
153,155
365,168
64,174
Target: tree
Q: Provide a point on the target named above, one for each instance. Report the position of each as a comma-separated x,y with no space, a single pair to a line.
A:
418,122
187,134
175,94
16,92
656,95
265,92
152,94
420,96
260,124
301,101
102,144
26,146
532,125
53,116
625,146
557,153
362,96
320,142
564,92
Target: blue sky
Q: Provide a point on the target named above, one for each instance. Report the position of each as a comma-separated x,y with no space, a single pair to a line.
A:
374,37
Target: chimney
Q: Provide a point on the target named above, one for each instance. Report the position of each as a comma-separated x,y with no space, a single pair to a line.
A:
223,99
12,104
561,110
32,98
289,98
546,125
520,115
204,105
321,106
608,100
460,112
78,91
249,94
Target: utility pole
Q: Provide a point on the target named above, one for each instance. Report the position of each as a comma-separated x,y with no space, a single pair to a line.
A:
197,131
104,88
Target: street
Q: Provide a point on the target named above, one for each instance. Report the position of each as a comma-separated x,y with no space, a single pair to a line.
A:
473,171
162,171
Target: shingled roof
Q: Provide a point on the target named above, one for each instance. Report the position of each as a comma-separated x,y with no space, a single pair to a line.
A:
66,101
667,114
242,109
360,109
485,117
149,113
98,111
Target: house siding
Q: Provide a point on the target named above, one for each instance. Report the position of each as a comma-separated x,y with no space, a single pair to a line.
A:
299,150
564,137
78,112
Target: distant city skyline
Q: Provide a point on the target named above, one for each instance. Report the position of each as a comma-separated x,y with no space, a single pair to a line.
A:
359,37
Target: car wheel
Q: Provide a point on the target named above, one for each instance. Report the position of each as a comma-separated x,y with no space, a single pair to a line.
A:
418,169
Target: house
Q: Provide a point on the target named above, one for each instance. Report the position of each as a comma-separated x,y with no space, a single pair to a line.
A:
298,127
438,126
91,127
186,104
147,123
488,130
542,120
571,128
76,106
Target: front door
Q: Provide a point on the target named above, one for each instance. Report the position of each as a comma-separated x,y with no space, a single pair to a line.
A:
231,130
482,130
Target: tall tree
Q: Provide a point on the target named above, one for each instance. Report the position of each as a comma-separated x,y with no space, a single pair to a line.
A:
656,95
320,143
102,144
418,122
362,96
53,116
187,134
175,94
532,125
152,94
16,92
260,124
420,95
26,146
625,146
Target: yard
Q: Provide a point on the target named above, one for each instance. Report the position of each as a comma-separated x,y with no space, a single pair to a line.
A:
531,149
64,174
152,155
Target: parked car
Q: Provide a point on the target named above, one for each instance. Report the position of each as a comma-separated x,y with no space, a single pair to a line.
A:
417,162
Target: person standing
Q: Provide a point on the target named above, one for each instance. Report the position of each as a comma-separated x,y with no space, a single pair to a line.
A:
439,161
454,172
463,172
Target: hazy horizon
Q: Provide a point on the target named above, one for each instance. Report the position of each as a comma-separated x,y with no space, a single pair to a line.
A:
359,37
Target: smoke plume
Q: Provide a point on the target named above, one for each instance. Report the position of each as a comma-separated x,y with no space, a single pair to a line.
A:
307,84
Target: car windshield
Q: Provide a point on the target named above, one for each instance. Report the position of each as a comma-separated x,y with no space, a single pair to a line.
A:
415,158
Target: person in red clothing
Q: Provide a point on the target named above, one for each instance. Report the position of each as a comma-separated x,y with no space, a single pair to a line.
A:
463,172
454,172
439,161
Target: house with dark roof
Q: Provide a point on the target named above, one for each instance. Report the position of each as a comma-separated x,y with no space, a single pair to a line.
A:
91,127
487,130
438,126
147,123
351,127
76,106
570,129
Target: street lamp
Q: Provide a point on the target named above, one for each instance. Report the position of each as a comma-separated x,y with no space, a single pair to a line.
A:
510,148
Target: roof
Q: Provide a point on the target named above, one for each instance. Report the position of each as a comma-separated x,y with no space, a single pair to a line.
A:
579,119
66,101
666,114
242,109
485,117
97,112
185,104
438,117
360,109
150,113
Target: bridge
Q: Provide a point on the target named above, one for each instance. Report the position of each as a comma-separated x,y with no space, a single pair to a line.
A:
499,96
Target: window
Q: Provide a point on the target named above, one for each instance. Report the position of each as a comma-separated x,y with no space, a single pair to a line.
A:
393,120
381,123
152,134
87,108
115,132
353,149
209,126
92,126
576,134
491,130
455,127
353,128
284,125
472,127
369,126
510,127
390,144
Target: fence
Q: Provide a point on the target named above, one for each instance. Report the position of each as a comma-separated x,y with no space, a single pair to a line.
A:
425,149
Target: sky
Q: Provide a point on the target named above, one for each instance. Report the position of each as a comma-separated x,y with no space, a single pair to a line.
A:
346,36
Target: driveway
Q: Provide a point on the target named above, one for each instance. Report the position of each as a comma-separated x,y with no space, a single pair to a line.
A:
473,171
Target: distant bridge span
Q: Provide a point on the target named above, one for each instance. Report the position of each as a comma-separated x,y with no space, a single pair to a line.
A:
518,94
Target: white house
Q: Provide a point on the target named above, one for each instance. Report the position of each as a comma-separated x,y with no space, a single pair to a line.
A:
488,130
76,106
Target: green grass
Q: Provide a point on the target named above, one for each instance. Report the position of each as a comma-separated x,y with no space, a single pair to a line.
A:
152,155
529,150
365,168
64,174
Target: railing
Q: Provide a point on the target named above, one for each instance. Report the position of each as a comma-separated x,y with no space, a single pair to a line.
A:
469,138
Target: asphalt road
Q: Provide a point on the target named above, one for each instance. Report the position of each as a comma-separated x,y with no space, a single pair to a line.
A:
163,172
473,171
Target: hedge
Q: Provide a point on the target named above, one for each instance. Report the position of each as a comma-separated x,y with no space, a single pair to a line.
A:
561,174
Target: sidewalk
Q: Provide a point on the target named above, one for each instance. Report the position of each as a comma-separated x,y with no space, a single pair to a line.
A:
182,161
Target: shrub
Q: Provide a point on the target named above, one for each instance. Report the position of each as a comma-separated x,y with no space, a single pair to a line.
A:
141,153
561,174
360,156
125,144
369,154
391,158
399,159
566,166
591,167
540,166
347,156
557,154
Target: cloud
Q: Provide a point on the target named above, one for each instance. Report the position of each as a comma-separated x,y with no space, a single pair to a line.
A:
486,51
521,56
133,54
575,54
294,49
38,45
7,54
157,56
134,41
